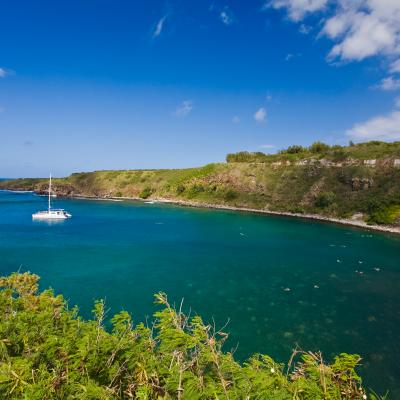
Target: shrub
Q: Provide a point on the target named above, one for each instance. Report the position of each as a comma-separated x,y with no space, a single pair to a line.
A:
180,189
295,149
384,215
197,188
319,147
230,195
146,192
296,210
339,155
246,156
324,199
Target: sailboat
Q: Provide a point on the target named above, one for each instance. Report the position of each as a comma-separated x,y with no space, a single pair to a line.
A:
51,213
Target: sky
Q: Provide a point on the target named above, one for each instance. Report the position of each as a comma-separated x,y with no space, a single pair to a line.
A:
125,84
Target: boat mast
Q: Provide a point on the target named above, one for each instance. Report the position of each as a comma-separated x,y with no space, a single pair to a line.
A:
49,193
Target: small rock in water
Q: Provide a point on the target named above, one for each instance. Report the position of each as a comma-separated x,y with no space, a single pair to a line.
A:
371,318
359,272
287,289
338,261
360,262
377,269
316,287
241,234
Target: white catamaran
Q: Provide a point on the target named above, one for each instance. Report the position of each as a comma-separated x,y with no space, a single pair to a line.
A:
51,213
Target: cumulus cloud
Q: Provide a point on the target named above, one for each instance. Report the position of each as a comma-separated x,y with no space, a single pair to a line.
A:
226,16
389,83
395,67
359,28
184,108
386,127
159,27
260,115
297,9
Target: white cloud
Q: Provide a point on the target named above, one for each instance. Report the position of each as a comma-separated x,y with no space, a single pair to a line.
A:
305,29
236,119
159,27
297,9
267,146
385,127
389,83
226,16
361,35
397,102
184,108
359,28
395,67
260,115
3,73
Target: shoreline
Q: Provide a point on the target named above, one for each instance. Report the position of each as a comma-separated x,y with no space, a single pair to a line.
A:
185,203
315,217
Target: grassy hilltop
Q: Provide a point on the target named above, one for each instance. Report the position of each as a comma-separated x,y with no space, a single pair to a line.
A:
361,181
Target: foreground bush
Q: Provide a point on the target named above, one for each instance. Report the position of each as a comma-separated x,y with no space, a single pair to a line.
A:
48,352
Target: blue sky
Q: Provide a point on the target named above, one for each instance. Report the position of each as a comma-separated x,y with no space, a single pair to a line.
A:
96,84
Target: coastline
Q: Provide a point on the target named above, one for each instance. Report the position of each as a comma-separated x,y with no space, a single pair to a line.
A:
185,203
316,217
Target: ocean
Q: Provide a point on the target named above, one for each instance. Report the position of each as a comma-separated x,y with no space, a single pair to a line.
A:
280,282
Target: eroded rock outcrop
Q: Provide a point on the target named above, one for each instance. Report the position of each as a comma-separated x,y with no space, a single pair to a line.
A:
361,183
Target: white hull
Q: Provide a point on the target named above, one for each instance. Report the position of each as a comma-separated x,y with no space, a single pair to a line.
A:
52,214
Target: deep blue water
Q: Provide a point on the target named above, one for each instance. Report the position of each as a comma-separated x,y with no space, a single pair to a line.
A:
225,265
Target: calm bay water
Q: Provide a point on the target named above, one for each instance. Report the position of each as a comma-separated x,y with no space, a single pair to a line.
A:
225,265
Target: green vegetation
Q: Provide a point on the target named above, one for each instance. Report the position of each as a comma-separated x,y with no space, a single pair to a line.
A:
318,150
48,352
324,199
146,192
334,181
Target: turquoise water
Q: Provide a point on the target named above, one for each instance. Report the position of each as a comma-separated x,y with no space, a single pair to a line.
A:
225,265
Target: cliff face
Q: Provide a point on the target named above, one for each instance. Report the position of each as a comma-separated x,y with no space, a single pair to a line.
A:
369,190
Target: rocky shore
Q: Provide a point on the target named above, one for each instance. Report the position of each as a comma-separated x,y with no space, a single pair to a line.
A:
185,203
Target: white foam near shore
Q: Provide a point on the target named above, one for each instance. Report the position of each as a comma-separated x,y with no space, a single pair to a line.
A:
17,191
